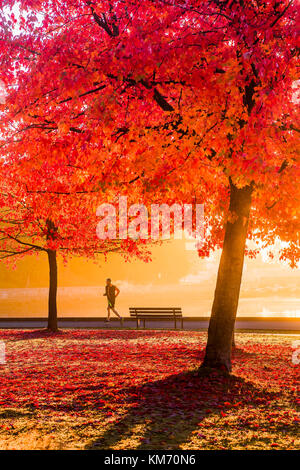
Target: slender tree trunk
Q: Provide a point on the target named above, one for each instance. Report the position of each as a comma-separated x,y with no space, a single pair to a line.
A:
221,325
52,305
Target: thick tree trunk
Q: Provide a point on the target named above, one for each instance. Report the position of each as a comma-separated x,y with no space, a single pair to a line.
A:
221,325
233,340
52,305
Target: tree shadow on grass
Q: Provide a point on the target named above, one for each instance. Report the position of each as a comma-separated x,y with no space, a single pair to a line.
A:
10,413
238,353
164,413
82,334
23,335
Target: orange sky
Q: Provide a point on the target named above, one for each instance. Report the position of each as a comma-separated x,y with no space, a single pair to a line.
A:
174,277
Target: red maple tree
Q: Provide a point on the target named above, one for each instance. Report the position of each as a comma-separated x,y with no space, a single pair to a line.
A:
52,210
188,100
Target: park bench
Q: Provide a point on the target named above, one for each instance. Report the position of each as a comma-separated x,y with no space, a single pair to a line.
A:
161,313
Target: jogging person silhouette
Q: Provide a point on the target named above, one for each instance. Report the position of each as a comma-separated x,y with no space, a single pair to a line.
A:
111,292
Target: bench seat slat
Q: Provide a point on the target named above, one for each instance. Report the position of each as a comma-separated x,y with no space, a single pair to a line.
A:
156,310
155,313
152,317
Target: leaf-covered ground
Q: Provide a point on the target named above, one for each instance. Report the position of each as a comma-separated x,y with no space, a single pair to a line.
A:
126,389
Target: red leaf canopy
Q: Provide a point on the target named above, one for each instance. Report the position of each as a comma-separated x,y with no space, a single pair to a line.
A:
161,100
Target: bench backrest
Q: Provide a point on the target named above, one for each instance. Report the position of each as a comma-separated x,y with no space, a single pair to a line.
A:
155,311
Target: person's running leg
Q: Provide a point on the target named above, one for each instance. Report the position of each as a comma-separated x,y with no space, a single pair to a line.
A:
115,311
118,315
108,314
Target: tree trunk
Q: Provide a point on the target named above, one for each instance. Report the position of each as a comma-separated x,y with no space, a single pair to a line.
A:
52,305
221,325
233,340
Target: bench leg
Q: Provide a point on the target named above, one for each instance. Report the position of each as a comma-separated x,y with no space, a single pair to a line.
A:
137,323
144,323
182,323
175,323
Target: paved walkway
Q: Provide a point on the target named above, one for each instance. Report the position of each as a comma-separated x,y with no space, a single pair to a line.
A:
189,323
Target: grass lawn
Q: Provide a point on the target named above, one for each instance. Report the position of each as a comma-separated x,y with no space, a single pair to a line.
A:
126,389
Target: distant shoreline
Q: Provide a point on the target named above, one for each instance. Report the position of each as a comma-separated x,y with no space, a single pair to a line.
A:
89,301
